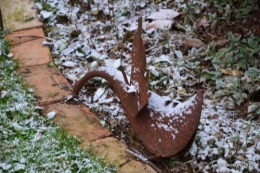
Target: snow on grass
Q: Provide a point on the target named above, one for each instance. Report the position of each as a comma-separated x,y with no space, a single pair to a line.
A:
30,142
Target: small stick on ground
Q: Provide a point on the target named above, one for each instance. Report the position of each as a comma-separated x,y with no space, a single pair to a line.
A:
147,50
144,160
51,102
31,35
128,160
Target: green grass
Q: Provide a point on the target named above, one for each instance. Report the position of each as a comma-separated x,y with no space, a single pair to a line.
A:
33,143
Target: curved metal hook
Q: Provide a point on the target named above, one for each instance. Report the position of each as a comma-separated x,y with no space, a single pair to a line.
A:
164,129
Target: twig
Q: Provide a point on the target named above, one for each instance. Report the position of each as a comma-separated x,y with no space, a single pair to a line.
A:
138,156
122,164
144,160
147,50
102,137
23,41
51,102
124,75
189,11
246,58
32,35
248,129
91,42
153,157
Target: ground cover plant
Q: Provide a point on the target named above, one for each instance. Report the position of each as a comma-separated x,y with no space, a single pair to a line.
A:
29,141
190,45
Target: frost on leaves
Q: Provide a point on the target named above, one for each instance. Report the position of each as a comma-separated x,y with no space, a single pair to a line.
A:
164,129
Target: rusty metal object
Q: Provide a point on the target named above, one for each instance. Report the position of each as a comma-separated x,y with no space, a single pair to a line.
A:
164,128
139,76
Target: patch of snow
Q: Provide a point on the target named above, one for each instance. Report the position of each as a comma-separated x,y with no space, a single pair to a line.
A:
98,93
163,58
117,63
5,166
10,55
3,93
79,54
51,115
157,103
131,89
46,14
178,54
163,14
69,64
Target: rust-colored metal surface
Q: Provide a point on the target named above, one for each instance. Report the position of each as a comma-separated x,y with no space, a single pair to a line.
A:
139,77
164,128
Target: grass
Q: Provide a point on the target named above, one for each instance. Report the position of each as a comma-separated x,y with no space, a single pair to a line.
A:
30,142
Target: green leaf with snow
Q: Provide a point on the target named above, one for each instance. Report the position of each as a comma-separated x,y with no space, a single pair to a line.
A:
219,55
220,84
238,97
252,71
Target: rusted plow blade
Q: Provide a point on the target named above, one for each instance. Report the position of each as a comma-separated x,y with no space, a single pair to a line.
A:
164,128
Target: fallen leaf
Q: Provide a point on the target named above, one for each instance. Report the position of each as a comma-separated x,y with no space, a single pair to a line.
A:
243,159
163,14
218,134
162,19
160,24
69,64
232,72
193,42
228,12
222,43
215,116
202,22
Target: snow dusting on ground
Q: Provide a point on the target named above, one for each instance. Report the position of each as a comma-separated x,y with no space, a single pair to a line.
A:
84,40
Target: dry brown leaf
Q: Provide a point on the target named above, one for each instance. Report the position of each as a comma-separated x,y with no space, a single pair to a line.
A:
218,134
215,116
243,159
193,42
203,23
236,73
222,43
